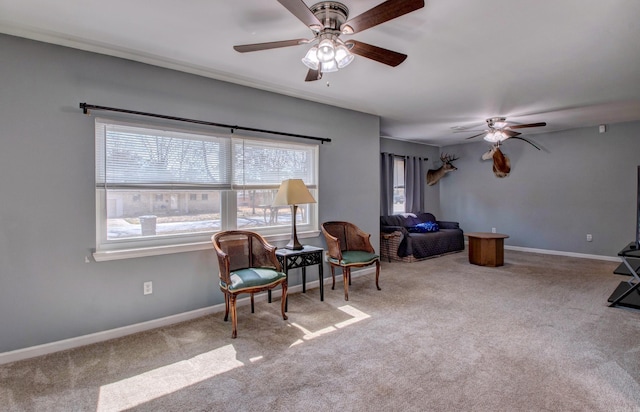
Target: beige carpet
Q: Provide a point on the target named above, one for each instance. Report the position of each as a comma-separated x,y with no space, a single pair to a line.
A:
442,335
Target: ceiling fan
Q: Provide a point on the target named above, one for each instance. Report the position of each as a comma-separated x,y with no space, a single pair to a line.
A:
328,20
499,130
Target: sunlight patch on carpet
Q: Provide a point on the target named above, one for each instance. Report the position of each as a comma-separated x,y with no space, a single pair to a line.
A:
130,392
356,316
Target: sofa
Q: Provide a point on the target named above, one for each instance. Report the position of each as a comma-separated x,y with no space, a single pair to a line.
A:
410,237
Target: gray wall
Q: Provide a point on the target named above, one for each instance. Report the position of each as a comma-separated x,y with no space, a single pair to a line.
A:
432,153
580,182
47,215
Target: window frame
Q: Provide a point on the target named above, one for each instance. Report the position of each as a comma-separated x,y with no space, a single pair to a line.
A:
111,249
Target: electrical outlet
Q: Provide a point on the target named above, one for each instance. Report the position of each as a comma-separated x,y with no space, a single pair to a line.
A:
147,288
493,230
589,237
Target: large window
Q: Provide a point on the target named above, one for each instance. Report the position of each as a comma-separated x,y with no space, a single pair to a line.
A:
161,188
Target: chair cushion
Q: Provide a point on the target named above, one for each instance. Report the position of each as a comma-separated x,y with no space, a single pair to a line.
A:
253,277
355,257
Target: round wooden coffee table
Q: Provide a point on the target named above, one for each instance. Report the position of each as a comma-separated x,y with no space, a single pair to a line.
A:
486,249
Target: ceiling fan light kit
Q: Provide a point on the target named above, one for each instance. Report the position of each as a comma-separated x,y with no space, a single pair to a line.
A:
495,137
329,55
328,20
500,130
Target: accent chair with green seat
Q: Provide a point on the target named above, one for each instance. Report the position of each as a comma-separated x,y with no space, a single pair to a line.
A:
348,247
248,264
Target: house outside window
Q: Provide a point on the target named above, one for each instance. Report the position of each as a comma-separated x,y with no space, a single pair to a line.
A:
398,185
164,187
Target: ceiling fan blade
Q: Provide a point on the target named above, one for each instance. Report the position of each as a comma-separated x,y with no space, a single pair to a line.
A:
511,133
299,9
313,75
522,126
383,12
522,138
243,48
376,53
476,135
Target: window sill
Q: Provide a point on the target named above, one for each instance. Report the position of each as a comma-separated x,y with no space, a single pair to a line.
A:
107,255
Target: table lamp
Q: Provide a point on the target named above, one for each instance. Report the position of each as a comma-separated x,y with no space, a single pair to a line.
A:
293,192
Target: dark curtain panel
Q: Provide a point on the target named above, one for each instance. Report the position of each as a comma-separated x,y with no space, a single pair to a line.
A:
414,174
386,184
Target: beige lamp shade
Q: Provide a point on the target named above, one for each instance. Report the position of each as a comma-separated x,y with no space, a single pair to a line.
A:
293,192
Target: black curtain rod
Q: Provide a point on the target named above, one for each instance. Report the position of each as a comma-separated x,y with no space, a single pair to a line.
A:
405,156
86,107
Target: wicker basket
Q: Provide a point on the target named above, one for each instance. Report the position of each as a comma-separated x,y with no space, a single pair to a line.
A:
389,243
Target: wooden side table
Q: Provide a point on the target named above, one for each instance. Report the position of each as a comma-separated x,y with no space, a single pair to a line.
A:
486,249
293,259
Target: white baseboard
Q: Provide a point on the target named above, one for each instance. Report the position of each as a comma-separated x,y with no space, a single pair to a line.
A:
78,341
562,253
47,348
559,253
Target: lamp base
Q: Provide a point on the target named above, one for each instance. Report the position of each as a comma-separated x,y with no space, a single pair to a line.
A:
294,244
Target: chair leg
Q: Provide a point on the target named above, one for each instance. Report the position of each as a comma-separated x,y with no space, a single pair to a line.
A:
346,277
252,311
226,306
377,274
333,276
283,301
234,316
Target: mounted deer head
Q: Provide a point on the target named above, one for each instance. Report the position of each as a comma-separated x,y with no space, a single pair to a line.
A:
434,175
501,163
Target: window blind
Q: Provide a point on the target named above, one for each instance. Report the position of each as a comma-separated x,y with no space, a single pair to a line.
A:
264,164
129,156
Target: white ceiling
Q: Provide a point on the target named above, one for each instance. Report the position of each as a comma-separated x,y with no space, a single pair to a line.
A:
570,63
